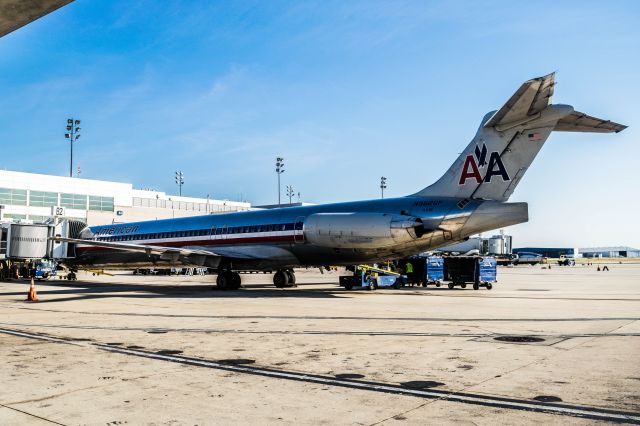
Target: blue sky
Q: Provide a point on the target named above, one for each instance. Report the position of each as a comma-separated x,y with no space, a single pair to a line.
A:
345,91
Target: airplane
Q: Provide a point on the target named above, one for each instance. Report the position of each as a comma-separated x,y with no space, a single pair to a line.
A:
471,197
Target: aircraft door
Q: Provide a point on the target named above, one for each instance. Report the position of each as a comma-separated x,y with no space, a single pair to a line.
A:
212,232
298,230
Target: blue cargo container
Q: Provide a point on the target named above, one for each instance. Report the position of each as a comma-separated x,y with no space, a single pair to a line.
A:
481,271
434,270
488,271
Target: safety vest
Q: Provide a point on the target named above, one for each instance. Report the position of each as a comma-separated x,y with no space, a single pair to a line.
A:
409,268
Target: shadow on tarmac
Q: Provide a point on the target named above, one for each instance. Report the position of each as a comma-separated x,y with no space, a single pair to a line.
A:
82,290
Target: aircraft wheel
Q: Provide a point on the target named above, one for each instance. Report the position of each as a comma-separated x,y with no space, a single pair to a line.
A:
292,278
280,279
236,280
223,281
476,286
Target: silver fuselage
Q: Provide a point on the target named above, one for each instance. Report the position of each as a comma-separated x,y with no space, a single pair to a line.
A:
255,244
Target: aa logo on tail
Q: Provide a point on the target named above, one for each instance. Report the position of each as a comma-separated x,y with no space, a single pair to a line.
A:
474,163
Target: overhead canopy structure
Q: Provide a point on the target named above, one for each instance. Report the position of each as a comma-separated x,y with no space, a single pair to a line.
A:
18,13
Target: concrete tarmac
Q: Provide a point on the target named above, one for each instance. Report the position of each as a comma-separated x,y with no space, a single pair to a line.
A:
127,349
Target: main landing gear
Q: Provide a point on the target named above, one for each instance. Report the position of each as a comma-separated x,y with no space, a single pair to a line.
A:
228,280
284,278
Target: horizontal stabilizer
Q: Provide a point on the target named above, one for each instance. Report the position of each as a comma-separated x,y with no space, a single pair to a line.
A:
580,122
530,99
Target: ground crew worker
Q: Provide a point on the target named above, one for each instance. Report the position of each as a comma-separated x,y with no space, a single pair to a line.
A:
409,271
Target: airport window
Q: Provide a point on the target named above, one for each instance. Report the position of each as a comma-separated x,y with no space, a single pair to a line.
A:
104,204
43,199
73,201
15,217
37,218
14,197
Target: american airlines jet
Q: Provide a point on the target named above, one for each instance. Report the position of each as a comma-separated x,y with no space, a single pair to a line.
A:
471,197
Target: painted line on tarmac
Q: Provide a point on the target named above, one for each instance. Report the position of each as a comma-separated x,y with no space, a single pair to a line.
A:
312,332
592,413
331,318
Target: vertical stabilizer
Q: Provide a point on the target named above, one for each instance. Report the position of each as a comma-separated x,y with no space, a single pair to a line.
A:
507,142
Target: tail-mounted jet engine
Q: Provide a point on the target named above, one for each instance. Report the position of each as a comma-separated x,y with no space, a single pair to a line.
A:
361,230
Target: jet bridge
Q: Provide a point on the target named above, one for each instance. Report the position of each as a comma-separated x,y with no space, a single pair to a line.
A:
26,241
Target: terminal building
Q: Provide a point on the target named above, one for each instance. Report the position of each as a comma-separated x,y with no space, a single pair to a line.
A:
621,251
552,252
34,197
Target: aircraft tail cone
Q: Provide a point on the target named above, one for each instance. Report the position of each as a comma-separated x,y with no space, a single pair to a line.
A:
32,295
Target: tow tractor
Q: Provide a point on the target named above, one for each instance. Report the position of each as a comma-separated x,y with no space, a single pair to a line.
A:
370,278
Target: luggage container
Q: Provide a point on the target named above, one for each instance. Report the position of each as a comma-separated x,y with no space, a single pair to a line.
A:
481,271
434,271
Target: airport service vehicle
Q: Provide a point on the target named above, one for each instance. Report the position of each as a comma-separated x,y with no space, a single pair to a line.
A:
477,270
371,277
526,258
471,197
45,269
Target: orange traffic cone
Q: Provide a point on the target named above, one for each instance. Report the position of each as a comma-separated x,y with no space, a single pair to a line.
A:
32,295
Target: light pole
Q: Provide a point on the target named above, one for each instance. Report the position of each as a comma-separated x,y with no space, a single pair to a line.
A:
180,180
290,193
73,133
279,171
383,185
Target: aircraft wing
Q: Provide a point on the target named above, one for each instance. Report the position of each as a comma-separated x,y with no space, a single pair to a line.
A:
531,98
175,254
17,13
580,122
